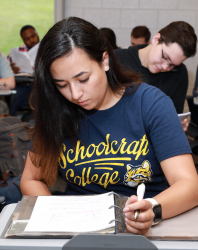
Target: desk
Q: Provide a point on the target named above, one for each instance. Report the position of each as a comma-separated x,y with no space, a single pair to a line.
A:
7,92
23,78
57,244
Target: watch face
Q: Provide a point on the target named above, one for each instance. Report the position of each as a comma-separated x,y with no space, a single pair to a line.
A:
157,209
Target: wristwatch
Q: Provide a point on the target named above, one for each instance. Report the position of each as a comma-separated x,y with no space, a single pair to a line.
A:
157,209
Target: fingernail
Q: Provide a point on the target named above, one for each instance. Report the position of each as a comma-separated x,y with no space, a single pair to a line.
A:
126,219
126,209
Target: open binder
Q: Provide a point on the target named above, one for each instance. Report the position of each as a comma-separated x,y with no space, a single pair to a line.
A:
21,216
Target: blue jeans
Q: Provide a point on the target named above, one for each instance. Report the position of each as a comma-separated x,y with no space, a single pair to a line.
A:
20,99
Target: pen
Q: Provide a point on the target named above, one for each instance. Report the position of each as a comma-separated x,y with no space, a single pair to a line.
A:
140,195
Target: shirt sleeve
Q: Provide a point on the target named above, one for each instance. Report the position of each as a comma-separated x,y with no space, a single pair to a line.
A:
163,126
5,69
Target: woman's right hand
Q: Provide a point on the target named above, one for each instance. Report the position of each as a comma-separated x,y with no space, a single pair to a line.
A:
144,221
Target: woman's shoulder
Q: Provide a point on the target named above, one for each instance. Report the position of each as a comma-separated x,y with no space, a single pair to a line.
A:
149,91
146,96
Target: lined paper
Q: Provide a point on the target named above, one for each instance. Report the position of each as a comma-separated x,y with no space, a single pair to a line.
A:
72,213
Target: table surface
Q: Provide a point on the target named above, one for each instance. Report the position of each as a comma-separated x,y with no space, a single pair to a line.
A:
56,244
7,92
23,78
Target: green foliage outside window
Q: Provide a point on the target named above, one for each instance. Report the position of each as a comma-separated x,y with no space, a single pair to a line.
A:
16,13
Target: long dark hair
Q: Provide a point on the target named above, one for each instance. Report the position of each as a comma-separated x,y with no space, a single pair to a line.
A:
54,116
110,36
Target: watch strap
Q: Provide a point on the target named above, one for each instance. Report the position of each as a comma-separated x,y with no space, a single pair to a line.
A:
154,203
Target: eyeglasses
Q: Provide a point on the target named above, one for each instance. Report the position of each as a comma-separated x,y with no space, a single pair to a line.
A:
166,60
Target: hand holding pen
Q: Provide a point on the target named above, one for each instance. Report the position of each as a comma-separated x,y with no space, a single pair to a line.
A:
140,195
134,205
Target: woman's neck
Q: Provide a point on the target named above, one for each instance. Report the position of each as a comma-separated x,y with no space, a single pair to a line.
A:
111,99
144,55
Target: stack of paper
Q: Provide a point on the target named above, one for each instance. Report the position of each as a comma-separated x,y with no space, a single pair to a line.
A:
71,214
24,60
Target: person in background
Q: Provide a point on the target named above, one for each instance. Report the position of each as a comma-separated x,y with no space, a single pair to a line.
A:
30,38
140,35
104,129
110,36
7,81
161,61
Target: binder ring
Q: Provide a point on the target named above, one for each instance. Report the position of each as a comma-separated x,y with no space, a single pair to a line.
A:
117,221
116,206
113,193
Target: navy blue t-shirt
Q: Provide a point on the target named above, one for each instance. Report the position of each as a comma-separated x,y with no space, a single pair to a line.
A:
121,147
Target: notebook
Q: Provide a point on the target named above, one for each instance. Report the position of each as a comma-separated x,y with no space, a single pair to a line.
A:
66,216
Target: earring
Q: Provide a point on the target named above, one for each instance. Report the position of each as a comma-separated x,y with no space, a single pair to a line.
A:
106,67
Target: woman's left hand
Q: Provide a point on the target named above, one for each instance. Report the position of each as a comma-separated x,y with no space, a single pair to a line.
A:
144,221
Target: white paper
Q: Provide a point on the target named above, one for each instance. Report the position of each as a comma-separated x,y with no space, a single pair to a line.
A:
72,214
22,60
32,54
184,116
25,60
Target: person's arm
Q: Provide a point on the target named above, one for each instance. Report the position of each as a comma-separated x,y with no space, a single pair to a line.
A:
180,87
182,177
7,83
181,196
172,151
7,80
179,91
31,183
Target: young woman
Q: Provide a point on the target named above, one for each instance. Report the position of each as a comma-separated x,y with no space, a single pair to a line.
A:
101,128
